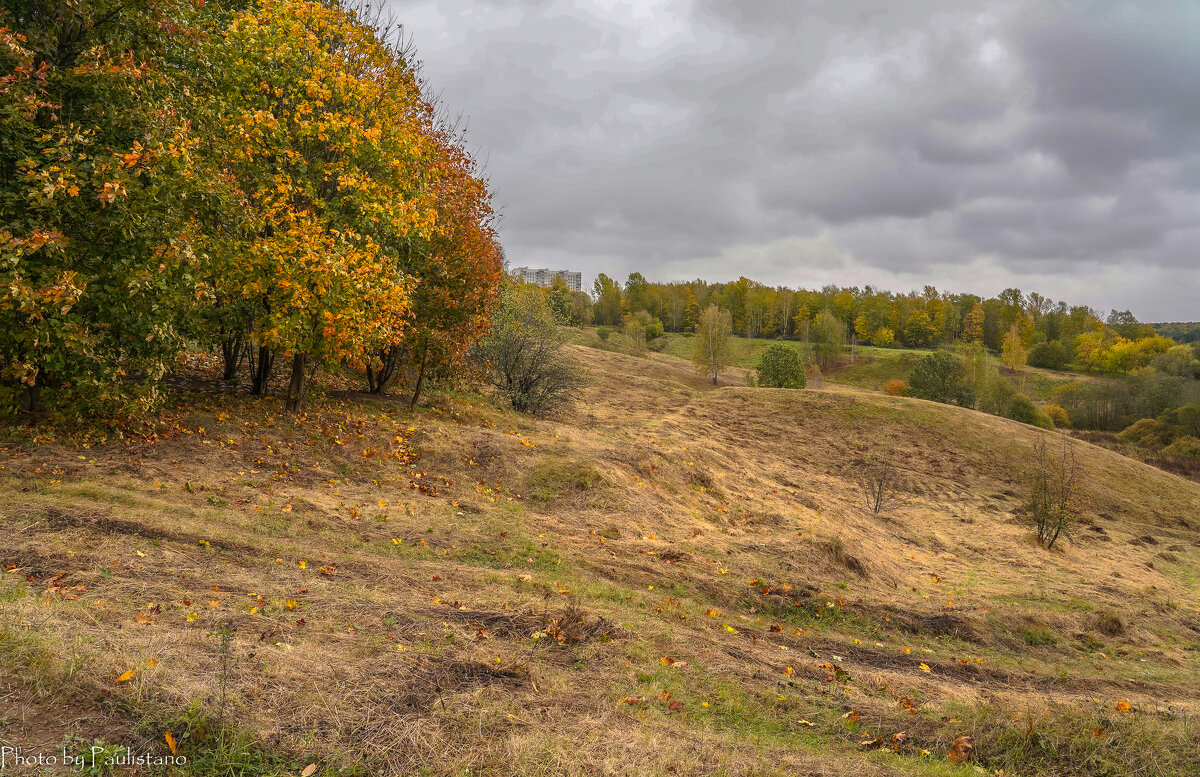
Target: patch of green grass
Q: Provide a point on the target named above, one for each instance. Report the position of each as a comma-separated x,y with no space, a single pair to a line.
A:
1037,637
555,478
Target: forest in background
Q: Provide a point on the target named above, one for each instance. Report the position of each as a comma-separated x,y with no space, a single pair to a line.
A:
1092,372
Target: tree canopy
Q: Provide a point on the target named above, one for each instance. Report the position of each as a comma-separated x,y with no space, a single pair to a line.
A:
270,177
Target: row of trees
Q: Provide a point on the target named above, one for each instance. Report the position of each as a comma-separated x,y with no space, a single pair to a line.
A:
1026,326
268,178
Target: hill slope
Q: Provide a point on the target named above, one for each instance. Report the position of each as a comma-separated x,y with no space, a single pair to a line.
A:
670,579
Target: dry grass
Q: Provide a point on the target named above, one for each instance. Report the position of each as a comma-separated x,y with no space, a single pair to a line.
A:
668,579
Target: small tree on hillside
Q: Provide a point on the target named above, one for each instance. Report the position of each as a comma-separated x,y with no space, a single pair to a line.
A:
1013,352
635,333
1054,500
828,339
978,368
712,350
781,366
523,357
941,377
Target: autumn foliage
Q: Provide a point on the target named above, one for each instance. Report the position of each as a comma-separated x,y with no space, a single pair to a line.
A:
272,180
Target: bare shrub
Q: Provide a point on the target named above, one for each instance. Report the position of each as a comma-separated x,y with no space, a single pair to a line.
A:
879,483
1054,501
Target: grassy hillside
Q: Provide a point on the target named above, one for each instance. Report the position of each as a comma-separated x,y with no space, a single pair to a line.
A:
868,367
668,579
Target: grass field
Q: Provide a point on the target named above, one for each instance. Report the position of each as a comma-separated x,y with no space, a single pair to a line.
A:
669,578
867,367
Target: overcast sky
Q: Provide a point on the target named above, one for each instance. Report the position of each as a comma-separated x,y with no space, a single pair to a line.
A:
1053,146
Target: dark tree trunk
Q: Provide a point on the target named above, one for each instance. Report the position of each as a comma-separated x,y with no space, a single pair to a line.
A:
298,383
420,379
260,371
31,396
233,350
377,380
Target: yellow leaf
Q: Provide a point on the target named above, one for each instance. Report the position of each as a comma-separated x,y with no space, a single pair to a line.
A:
127,676
170,742
925,668
1123,706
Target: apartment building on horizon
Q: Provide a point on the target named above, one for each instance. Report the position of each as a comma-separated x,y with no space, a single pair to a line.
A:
544,277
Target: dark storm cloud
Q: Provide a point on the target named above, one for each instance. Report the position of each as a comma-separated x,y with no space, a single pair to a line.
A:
1051,145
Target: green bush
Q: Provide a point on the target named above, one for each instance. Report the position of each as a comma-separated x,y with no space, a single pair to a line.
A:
996,396
1187,416
941,377
1052,355
1148,431
1058,415
1021,408
781,366
603,333
1184,448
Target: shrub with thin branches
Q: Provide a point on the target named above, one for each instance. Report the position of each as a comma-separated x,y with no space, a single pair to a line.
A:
523,356
879,483
1054,484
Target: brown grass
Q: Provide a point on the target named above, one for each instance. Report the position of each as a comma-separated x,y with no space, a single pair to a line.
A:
465,589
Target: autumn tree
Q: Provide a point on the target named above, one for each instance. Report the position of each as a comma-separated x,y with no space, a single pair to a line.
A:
1013,353
828,339
608,300
96,187
334,162
712,350
918,331
972,331
457,272
635,332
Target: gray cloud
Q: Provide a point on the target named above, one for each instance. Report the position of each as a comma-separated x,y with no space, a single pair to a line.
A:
1050,144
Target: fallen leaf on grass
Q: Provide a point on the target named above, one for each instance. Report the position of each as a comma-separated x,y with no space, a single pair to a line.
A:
127,676
961,751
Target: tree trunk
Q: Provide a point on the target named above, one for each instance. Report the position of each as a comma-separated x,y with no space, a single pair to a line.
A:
260,371
420,379
298,384
377,380
233,349
31,396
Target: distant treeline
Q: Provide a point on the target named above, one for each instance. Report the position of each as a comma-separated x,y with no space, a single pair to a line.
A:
927,318
1180,331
